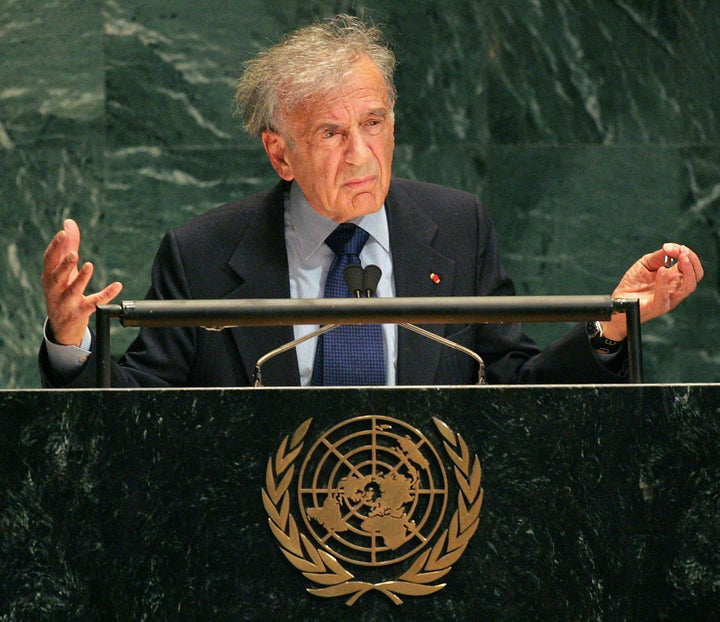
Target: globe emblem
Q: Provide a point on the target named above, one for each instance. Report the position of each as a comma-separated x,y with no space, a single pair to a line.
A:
372,491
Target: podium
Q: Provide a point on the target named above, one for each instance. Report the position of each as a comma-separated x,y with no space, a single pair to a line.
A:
598,503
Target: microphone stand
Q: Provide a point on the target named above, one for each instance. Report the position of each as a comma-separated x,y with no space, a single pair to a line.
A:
450,344
257,375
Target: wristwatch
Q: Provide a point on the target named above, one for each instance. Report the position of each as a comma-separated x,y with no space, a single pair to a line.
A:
600,342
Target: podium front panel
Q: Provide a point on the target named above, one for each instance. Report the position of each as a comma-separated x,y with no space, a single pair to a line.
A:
514,503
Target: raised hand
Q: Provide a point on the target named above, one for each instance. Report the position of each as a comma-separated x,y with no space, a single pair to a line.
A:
64,282
659,288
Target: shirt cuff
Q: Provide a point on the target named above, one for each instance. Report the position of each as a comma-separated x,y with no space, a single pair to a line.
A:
64,359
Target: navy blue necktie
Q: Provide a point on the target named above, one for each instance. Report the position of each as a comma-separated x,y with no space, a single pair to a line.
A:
351,354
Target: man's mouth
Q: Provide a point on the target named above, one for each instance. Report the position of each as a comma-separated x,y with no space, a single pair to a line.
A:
360,183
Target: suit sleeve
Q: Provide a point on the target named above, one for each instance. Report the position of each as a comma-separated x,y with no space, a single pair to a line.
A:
510,355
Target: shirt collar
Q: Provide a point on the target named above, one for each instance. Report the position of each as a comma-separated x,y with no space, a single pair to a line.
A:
311,228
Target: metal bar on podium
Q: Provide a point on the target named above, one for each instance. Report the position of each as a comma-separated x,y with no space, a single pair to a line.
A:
219,314
631,309
102,333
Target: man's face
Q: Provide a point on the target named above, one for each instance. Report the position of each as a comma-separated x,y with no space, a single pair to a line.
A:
339,149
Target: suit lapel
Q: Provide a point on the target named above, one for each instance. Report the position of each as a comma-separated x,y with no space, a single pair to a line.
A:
415,260
260,261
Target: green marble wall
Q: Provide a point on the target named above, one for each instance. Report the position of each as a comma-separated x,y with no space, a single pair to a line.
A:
590,129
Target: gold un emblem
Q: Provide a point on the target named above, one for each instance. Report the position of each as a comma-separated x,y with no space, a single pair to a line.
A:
372,493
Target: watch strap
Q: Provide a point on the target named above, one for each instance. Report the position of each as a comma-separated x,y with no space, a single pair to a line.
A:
599,342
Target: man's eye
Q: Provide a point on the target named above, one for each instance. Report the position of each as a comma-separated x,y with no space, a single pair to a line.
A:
329,134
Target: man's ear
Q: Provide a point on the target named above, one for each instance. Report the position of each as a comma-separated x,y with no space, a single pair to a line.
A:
276,147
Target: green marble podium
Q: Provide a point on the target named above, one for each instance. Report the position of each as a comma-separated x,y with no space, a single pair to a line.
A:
600,503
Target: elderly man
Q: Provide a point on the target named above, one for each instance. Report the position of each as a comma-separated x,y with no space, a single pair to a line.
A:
322,102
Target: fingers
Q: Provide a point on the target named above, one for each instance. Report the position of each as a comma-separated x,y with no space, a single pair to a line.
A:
69,312
58,275
658,287
665,257
658,259
62,255
73,294
60,261
64,283
54,253
73,235
106,295
675,284
688,264
65,241
76,287
64,298
66,279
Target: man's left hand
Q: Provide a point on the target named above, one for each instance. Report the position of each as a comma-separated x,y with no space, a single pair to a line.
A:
659,288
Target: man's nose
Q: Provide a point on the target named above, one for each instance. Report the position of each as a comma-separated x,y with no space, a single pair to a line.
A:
356,147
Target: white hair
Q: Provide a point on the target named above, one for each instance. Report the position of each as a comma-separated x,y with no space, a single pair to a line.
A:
308,63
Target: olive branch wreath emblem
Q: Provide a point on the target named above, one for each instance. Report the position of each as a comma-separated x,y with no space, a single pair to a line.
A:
322,568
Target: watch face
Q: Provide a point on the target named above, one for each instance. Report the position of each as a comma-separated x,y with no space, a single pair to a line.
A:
599,342
594,329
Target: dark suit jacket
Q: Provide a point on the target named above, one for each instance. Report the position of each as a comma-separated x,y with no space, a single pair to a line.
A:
238,251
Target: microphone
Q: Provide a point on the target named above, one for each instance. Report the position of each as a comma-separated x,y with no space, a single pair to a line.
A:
362,282
371,278
353,275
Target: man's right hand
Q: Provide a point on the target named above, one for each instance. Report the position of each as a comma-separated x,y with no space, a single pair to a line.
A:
64,284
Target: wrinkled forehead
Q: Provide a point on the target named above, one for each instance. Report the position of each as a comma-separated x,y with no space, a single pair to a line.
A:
361,86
